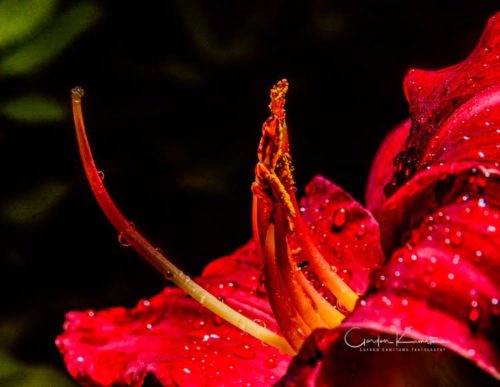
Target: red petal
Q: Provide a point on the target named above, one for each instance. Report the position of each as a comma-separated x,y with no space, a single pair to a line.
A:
383,168
174,339
346,234
441,228
434,96
444,285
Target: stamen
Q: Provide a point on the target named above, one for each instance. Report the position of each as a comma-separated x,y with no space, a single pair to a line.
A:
152,254
276,219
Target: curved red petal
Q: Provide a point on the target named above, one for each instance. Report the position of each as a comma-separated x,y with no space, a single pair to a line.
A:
383,168
346,234
441,230
442,287
434,96
174,339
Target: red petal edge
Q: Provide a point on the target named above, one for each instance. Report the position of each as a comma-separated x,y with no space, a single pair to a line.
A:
383,167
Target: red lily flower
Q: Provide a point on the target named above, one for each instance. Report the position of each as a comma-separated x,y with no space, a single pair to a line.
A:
438,206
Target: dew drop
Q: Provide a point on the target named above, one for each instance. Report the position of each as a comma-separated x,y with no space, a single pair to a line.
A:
340,219
186,370
342,309
80,359
244,351
198,324
495,307
474,314
456,237
123,240
345,275
122,237
361,231
101,175
271,361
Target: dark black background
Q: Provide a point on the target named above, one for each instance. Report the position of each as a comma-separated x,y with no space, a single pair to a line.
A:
176,92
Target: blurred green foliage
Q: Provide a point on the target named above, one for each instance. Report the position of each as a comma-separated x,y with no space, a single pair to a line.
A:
33,35
32,206
50,42
15,373
34,108
20,19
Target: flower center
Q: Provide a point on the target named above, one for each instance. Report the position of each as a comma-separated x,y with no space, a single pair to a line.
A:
298,306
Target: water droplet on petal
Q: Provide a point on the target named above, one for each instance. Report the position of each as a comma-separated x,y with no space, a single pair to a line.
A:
473,315
345,275
198,324
340,219
456,237
244,351
271,361
101,175
495,307
361,231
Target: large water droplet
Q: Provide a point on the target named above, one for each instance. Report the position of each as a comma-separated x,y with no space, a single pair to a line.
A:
101,175
340,219
244,351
